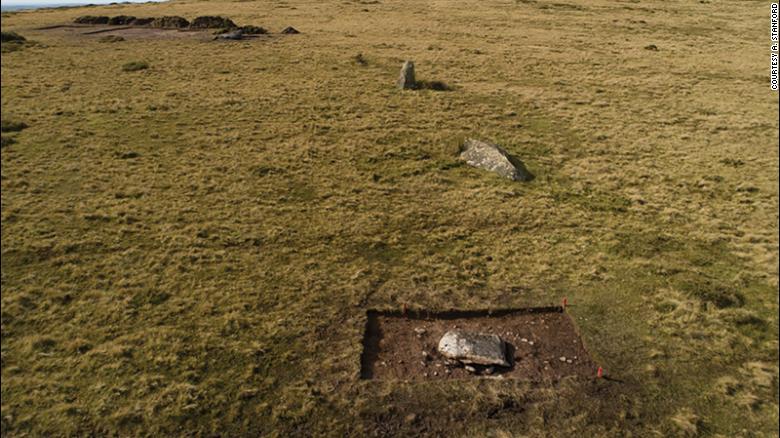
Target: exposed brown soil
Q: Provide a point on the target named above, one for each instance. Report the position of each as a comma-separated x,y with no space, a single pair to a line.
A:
146,32
129,32
542,345
212,22
150,32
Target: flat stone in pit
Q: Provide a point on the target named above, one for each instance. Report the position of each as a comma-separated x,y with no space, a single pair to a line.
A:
473,348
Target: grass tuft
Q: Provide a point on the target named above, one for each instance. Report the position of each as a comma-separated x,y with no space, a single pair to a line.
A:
12,126
111,39
8,37
433,86
6,141
135,66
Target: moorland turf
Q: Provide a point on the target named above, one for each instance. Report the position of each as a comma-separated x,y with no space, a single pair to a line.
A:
191,248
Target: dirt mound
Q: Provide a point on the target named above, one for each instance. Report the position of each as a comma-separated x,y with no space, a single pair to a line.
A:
174,22
212,22
122,20
142,22
12,37
253,30
91,19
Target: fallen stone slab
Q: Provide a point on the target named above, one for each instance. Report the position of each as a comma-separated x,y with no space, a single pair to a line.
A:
406,80
473,348
492,157
235,35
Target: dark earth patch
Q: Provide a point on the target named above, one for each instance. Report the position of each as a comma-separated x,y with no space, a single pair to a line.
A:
542,345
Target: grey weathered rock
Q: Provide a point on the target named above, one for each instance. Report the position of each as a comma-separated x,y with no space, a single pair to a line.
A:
406,80
234,35
492,157
473,348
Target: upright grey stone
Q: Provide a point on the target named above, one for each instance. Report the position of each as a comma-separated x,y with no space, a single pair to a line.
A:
492,157
406,81
473,348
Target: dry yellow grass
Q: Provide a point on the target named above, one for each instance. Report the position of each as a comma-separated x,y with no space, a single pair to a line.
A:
191,248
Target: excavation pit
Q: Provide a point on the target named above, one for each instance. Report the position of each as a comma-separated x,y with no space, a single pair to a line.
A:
542,344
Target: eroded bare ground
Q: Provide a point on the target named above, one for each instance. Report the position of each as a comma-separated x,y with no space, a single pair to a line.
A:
191,247
129,32
135,32
542,345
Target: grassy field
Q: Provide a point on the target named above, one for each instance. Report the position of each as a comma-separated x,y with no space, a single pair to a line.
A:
191,248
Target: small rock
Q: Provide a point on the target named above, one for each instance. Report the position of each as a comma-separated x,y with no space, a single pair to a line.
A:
530,342
410,418
563,358
451,363
492,157
568,360
489,370
470,369
289,30
406,80
426,356
524,340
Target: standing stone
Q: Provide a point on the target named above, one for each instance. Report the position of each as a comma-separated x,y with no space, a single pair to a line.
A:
473,348
406,81
492,157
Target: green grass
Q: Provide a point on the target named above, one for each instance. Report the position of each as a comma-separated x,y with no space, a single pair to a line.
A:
194,251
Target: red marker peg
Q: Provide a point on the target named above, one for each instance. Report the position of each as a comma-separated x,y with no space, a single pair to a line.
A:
600,373
564,302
